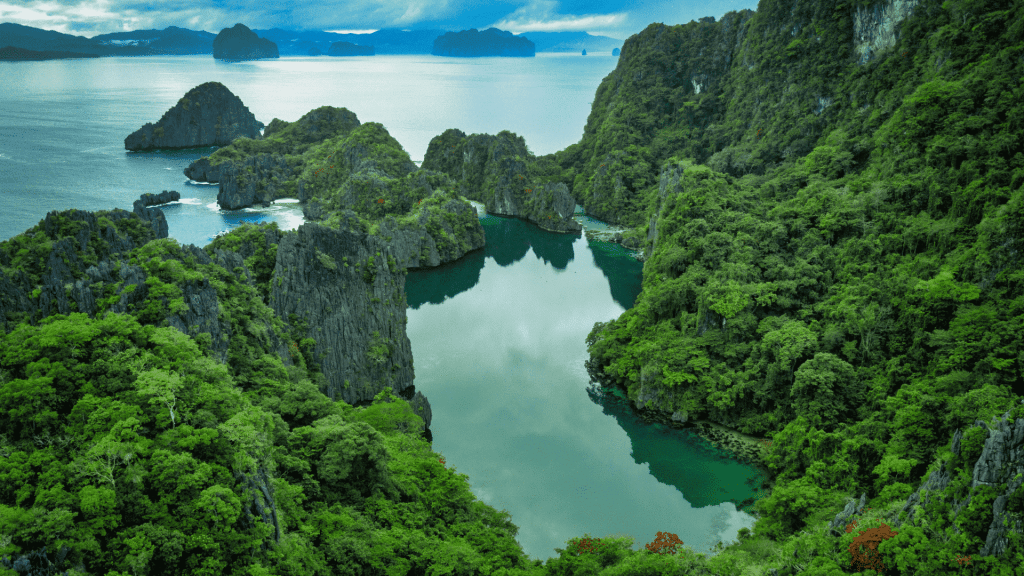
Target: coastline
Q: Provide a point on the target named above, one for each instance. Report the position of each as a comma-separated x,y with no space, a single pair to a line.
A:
743,447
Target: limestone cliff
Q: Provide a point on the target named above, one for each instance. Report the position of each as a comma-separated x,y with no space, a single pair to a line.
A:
999,466
494,170
241,43
344,286
333,164
208,115
155,217
741,102
85,264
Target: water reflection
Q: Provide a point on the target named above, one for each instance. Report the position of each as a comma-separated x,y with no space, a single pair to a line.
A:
503,365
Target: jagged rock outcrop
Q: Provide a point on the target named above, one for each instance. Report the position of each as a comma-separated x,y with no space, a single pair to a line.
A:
875,28
241,43
64,282
668,185
208,115
251,180
347,289
278,139
1000,465
349,49
493,170
203,171
434,239
259,502
155,217
853,508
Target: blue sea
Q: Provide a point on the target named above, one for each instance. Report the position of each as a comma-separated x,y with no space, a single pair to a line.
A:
63,122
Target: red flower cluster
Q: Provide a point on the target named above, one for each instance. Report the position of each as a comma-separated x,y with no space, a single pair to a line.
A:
380,201
868,539
666,542
962,559
294,350
579,546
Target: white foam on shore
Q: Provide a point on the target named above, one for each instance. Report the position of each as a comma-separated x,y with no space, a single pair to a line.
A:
213,206
191,201
194,183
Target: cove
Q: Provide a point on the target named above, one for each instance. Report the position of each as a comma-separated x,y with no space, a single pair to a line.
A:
498,341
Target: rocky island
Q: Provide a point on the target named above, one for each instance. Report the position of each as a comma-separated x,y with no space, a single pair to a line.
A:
490,42
347,174
349,49
241,43
208,115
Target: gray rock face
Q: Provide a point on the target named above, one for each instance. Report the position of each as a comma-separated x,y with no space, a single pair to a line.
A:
854,507
1000,465
65,284
492,170
259,502
668,185
208,115
251,181
416,247
241,43
202,171
155,217
356,313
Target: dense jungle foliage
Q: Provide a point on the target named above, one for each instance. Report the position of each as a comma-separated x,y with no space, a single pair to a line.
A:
856,297
846,282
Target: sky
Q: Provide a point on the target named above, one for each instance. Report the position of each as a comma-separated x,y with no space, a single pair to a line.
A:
614,18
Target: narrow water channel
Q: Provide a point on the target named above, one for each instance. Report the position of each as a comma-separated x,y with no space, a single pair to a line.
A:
498,340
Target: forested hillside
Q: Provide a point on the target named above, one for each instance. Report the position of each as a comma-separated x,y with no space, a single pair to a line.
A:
835,242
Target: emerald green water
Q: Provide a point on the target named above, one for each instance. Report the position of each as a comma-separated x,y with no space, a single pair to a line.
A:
498,340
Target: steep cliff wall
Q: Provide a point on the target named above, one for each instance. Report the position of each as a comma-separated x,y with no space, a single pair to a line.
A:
344,286
744,95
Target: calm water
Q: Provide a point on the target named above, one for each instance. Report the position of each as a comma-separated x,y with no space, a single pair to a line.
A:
498,339
63,122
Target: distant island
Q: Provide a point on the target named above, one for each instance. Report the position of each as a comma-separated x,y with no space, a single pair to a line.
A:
584,51
12,53
490,42
571,42
349,49
171,41
615,51
241,43
182,41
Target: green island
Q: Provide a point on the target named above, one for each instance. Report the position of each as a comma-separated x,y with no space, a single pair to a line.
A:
832,218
